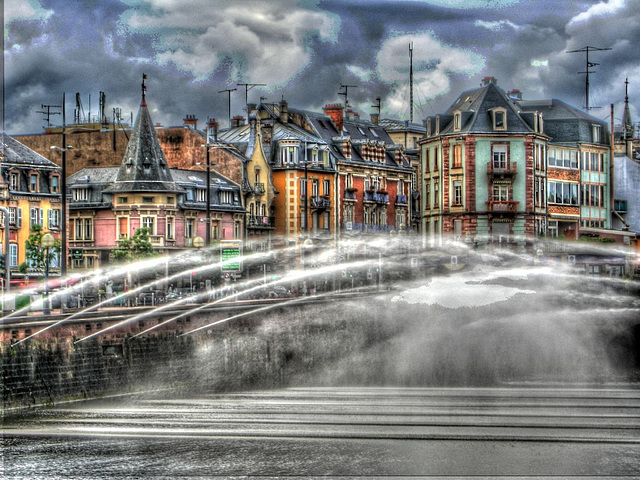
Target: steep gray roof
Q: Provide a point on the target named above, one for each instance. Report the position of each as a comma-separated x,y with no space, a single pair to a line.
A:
144,168
12,152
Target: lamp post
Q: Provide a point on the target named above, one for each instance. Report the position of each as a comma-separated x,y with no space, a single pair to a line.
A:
63,188
198,242
47,242
211,124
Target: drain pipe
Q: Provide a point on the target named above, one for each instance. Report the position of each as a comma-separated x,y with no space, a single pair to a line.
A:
611,171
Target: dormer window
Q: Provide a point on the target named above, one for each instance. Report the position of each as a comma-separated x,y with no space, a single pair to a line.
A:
81,194
457,121
288,154
499,116
33,182
201,195
14,180
597,137
437,132
55,184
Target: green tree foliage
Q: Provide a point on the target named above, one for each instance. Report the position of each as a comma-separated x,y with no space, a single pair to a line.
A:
134,248
35,252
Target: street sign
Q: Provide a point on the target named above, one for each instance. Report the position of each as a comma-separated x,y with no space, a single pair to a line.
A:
76,254
230,250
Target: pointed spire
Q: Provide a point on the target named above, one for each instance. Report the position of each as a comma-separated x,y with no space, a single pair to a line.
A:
144,167
144,90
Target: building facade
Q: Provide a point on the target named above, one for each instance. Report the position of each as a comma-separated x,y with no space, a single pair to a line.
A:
30,190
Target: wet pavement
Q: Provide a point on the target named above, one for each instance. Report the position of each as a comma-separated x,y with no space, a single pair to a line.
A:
335,432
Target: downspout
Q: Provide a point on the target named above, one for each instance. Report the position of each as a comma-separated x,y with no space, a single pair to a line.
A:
611,171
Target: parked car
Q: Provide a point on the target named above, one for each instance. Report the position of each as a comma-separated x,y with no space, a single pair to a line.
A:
275,291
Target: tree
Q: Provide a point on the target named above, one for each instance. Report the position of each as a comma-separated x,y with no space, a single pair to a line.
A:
134,248
35,252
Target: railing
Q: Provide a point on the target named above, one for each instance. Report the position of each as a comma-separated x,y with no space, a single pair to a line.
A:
507,206
320,202
157,240
376,197
257,221
258,188
350,194
401,199
495,168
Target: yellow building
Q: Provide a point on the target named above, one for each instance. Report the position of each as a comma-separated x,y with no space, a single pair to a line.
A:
30,190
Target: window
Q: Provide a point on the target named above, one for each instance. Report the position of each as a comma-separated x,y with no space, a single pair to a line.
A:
123,227
314,188
563,158
15,216
457,192
201,195
457,156
327,187
55,184
225,196
288,155
33,182
427,195
436,194
15,181
563,193
539,192
500,193
596,133
539,154
122,200
593,161
326,221
149,222
170,228
34,216
189,228
499,118
435,159
456,121
81,194
83,228
591,195
54,218
170,200
499,156
147,199
13,255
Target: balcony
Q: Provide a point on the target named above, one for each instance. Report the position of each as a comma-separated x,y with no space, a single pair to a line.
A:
503,206
156,240
401,200
258,189
260,222
377,197
498,168
320,202
350,193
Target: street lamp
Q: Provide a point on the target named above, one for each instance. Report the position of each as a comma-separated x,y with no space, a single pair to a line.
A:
47,242
212,124
198,242
63,189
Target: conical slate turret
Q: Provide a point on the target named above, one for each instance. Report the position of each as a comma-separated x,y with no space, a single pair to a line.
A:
144,168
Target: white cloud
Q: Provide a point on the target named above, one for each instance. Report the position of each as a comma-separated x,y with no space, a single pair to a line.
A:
256,41
466,4
433,63
599,9
497,25
25,10
362,73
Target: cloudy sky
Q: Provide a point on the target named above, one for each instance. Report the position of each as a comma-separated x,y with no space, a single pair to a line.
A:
304,49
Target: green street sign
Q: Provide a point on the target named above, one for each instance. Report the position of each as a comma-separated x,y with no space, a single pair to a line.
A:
76,254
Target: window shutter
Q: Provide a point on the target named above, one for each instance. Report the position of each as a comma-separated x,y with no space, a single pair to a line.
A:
49,219
41,218
19,218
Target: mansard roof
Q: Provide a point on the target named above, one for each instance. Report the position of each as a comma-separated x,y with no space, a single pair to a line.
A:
144,168
14,153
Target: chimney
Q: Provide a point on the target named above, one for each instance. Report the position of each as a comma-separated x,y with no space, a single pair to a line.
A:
190,121
237,121
334,110
514,94
375,118
487,80
250,108
213,128
284,111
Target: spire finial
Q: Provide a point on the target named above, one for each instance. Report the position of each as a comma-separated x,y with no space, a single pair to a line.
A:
626,89
144,89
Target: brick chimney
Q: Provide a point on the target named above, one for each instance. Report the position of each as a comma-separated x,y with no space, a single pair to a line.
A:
237,121
514,94
190,121
335,111
375,118
284,111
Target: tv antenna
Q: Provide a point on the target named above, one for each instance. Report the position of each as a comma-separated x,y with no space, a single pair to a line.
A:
48,112
247,87
411,82
378,105
589,64
229,90
346,94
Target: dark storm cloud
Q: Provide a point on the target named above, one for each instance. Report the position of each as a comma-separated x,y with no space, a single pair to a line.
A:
304,50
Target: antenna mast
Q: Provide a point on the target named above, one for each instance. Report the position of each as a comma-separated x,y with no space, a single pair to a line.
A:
229,90
411,82
247,87
48,113
589,64
346,94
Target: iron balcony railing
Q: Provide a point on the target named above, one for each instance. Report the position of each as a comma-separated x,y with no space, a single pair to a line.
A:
500,168
258,188
376,197
507,206
320,202
350,194
401,199
257,221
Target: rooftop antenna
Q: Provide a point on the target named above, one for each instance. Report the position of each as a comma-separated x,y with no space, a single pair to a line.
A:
589,64
346,94
144,89
229,90
77,118
48,112
411,82
101,108
247,87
